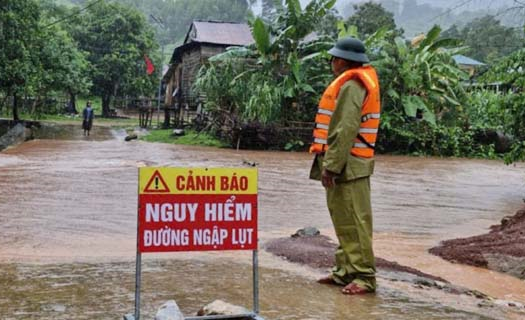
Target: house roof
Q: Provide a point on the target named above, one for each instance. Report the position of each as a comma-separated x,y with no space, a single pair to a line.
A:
217,32
461,59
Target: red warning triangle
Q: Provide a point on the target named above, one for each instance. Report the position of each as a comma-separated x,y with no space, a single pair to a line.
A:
156,184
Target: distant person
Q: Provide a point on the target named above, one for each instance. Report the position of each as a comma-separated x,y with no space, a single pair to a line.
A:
87,116
344,141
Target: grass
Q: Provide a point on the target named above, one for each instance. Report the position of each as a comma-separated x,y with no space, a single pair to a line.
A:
96,104
190,138
67,119
155,135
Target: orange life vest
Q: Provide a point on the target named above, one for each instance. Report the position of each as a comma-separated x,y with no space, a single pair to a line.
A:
370,111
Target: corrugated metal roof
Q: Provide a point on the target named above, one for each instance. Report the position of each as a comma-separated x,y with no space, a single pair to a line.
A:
217,32
461,59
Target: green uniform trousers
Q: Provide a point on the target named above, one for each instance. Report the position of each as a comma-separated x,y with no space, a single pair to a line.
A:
351,213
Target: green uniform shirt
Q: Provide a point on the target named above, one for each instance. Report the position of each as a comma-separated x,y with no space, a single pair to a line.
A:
342,132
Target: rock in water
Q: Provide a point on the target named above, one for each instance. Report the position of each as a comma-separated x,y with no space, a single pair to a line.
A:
306,232
169,311
131,137
219,307
178,132
249,163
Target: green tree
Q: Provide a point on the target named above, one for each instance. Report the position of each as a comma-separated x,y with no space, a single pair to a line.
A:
511,72
453,32
18,33
486,39
117,37
288,74
370,17
420,81
40,58
283,77
421,75
328,24
62,67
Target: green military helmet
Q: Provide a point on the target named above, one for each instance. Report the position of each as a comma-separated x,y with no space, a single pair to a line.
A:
349,49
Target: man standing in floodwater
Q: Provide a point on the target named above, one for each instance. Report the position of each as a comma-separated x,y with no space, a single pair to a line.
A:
347,122
87,118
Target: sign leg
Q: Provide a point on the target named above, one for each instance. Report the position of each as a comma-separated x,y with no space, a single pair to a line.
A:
255,282
137,285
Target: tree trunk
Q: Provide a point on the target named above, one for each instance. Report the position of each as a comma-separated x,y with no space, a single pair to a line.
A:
106,99
167,119
38,103
33,105
16,118
73,103
2,104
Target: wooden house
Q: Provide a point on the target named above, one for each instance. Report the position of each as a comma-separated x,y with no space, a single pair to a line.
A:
203,40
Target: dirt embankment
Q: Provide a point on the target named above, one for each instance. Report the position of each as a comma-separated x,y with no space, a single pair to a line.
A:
318,252
502,249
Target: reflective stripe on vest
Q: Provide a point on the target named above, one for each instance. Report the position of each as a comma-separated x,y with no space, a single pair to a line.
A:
370,112
369,116
362,145
324,111
319,140
367,130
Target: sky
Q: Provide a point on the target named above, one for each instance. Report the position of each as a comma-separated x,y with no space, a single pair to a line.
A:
471,5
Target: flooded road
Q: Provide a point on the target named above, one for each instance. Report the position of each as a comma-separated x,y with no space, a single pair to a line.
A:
68,228
104,291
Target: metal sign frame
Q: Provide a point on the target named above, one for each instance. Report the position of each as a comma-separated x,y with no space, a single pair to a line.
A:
255,274
138,279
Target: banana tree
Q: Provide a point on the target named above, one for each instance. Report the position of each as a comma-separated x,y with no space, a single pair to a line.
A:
276,67
276,39
421,78
511,72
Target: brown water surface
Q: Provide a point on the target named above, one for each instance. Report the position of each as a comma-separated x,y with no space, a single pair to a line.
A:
68,224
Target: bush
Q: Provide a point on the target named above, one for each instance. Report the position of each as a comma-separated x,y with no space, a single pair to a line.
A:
422,138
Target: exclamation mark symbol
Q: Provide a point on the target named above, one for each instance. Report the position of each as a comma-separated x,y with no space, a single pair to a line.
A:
156,183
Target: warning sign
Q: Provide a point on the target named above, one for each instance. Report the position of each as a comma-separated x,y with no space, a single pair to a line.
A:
197,209
153,184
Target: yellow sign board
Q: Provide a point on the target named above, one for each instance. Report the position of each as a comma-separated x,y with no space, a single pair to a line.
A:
163,180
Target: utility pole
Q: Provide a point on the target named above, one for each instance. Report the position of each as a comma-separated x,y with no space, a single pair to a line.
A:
160,23
160,84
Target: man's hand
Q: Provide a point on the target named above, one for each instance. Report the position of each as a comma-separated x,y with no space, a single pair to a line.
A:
328,178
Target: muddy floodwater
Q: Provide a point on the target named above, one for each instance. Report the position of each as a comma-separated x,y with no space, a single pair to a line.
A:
68,232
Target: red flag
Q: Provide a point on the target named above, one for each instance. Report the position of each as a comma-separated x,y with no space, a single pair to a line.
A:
149,66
